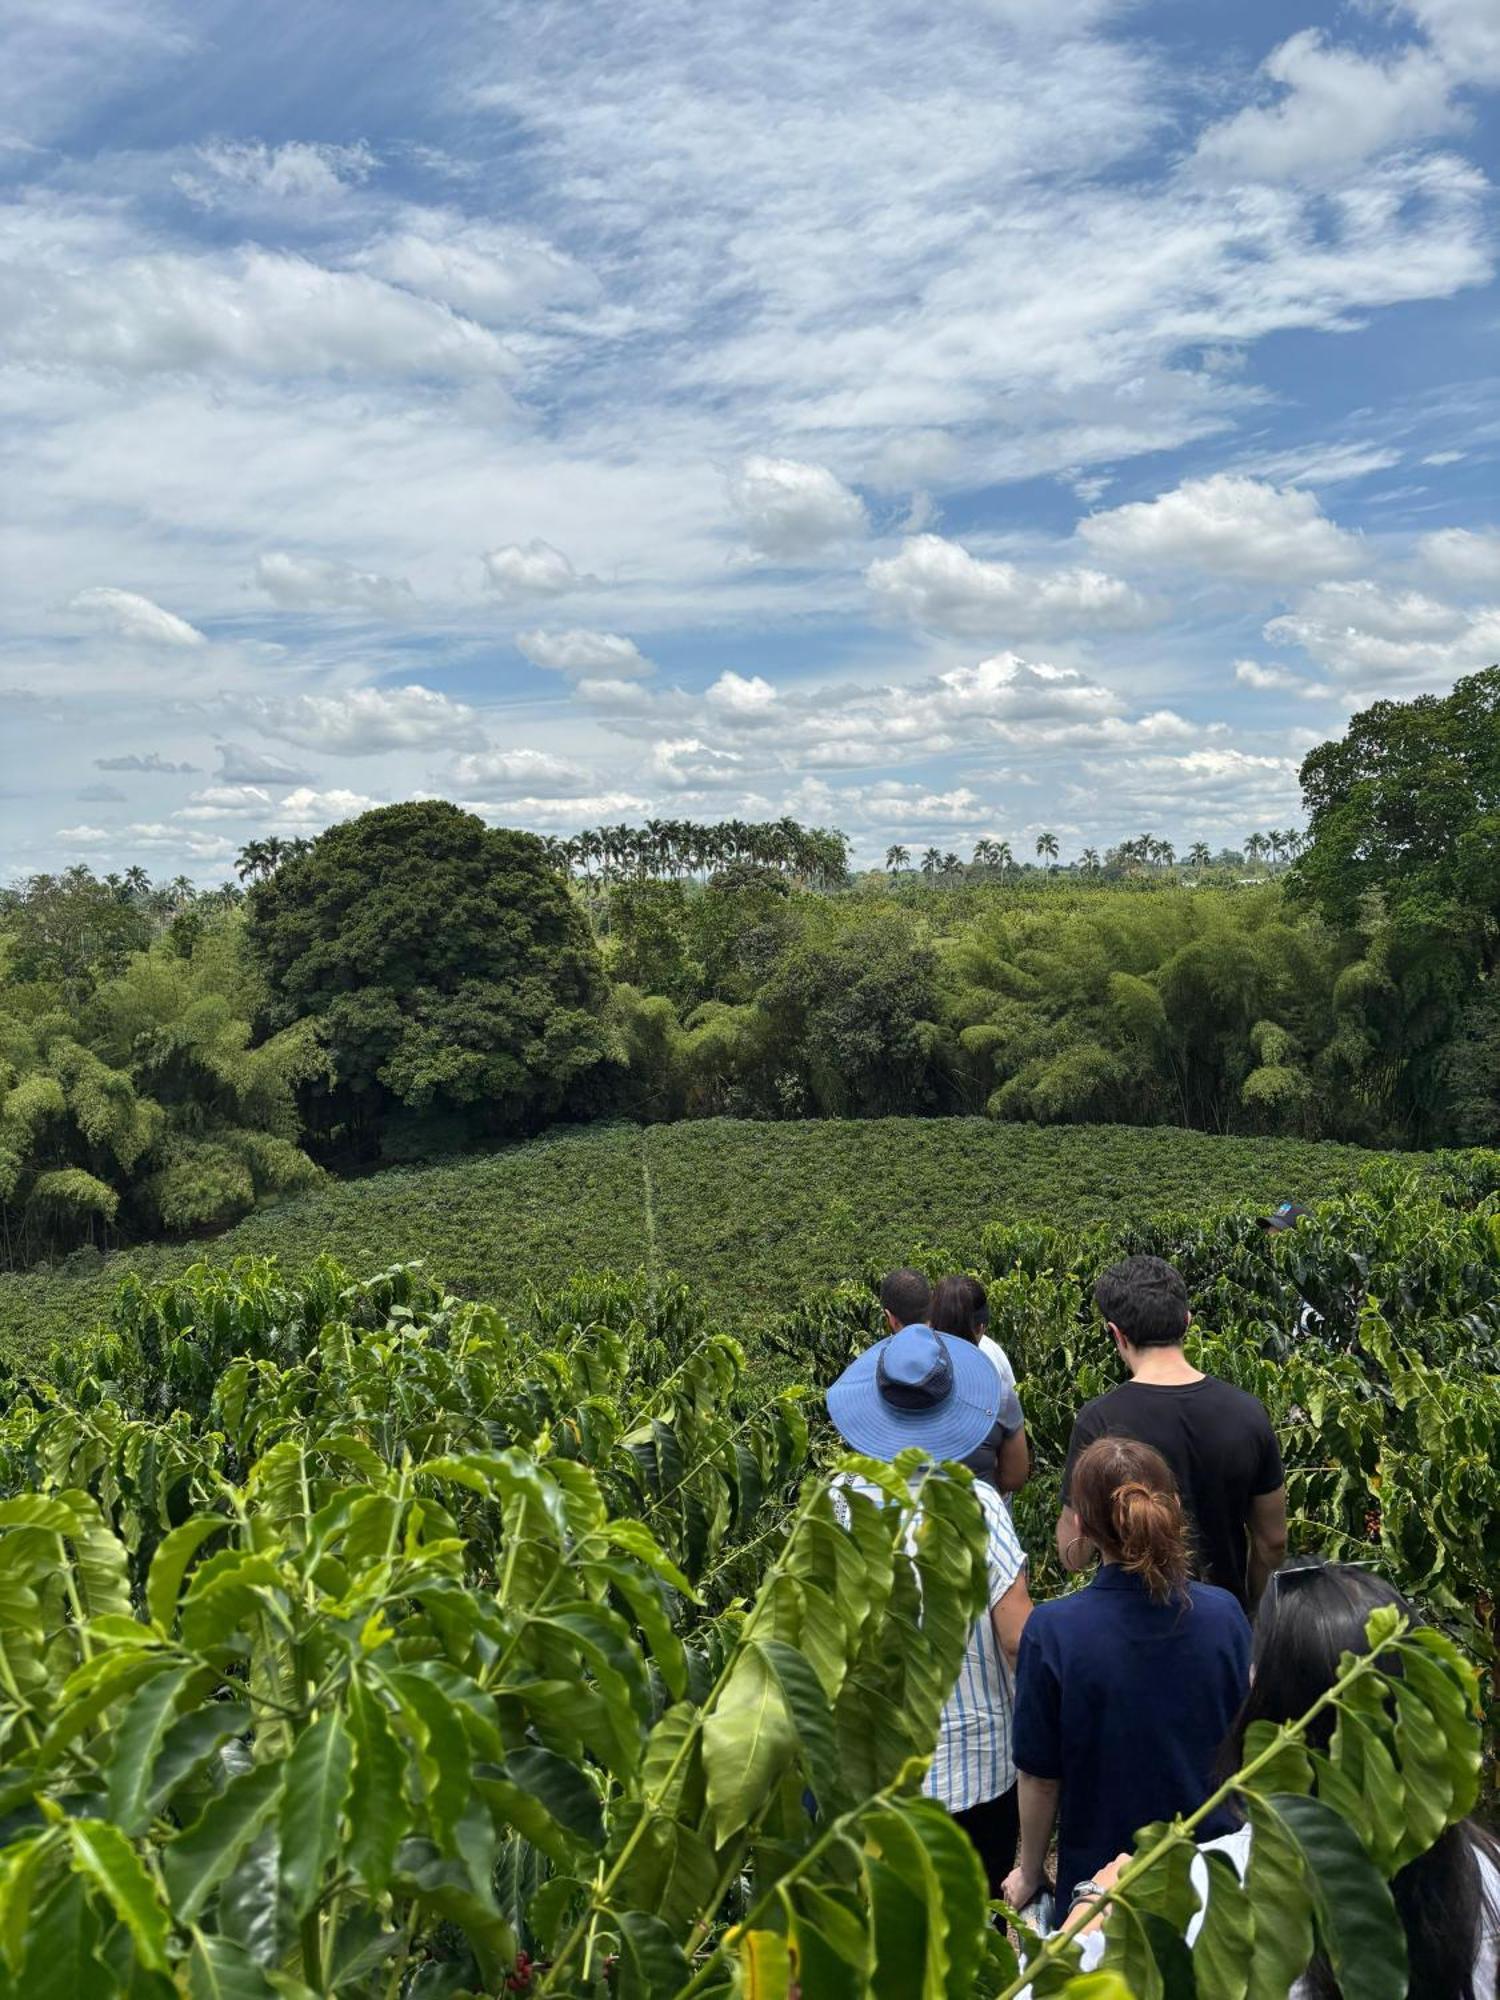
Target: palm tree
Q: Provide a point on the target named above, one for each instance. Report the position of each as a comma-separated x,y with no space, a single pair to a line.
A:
1166,853
896,858
951,864
1046,848
137,881
1255,846
1003,857
932,861
1199,854
1090,859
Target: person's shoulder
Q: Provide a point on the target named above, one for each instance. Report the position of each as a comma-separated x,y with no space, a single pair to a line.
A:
1234,1401
1218,1604
1095,1413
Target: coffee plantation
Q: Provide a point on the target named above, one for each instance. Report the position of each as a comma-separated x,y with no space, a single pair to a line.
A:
361,1639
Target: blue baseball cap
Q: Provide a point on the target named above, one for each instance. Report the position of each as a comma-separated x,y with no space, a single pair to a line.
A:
920,1388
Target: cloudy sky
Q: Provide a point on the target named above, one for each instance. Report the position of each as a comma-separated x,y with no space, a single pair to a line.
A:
1007,416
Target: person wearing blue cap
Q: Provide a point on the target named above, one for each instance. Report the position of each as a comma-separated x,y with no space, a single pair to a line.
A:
942,1395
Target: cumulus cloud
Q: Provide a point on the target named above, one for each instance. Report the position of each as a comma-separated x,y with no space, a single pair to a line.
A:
151,760
532,569
135,617
686,761
310,583
1229,526
1377,638
226,802
514,770
363,721
1220,786
1464,556
307,808
584,809
1336,108
1275,679
790,509
608,655
939,584
744,697
491,271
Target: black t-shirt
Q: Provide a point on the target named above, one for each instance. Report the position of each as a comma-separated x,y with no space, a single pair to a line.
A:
1222,1450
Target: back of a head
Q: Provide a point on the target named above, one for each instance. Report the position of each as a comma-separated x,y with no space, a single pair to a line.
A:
1146,1299
1126,1501
905,1294
959,1306
1312,1614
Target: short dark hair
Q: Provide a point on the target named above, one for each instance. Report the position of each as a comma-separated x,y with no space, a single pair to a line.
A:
1146,1299
905,1294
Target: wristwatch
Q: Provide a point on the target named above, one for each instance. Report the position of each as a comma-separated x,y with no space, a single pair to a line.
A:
1084,1892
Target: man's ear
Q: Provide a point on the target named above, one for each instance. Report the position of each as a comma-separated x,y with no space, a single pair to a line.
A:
890,1320
1121,1341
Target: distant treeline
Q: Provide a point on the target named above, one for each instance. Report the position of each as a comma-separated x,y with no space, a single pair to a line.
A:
414,981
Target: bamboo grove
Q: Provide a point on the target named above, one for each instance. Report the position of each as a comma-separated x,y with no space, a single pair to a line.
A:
361,1640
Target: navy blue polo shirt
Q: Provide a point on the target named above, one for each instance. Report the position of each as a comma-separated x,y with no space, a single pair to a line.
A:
1127,1703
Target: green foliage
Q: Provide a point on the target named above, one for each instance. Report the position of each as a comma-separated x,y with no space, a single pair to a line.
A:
445,964
753,1215
360,1640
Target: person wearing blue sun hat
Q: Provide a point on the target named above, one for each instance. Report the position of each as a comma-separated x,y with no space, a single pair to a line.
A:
941,1395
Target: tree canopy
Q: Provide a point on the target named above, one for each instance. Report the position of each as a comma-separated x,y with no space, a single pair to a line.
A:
448,966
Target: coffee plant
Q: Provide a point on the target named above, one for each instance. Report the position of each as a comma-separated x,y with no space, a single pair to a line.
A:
358,1640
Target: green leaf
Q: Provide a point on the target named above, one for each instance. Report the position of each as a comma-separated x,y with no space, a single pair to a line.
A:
1282,1940
60,1961
378,1812
764,1966
1127,1950
103,1855
748,1742
812,1718
442,1749
562,1789
652,1963
219,1969
170,1564
1356,1916
201,1856
317,1784
190,1742
139,1735
1221,1956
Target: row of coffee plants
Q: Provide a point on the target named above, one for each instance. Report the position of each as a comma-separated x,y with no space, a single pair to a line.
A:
356,1640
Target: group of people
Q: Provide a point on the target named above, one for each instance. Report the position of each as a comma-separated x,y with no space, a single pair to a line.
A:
1102,1710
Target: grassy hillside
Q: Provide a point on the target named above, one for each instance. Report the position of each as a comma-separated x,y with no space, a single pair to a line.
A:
754,1214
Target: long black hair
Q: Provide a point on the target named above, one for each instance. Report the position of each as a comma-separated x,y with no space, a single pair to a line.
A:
1311,1614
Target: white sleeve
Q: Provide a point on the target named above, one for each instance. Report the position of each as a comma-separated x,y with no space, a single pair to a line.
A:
1003,1551
1011,1418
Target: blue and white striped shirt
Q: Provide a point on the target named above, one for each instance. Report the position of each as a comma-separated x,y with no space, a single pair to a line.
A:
973,1760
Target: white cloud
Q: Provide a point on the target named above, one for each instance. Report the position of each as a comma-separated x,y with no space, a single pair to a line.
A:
1337,108
1464,556
742,697
1218,789
590,809
1251,674
1322,464
1229,526
1444,457
518,770
307,808
535,570
135,617
900,806
939,584
84,297
1466,34
310,583
491,271
226,802
790,509
576,651
685,761
362,722
1376,638
298,171
85,836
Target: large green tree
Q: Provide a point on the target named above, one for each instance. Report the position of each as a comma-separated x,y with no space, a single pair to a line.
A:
450,969
1403,855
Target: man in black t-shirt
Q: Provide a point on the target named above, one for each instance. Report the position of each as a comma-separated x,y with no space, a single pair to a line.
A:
1217,1439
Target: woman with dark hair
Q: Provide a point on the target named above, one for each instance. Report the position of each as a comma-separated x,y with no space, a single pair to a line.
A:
960,1306
1449,1898
1124,1690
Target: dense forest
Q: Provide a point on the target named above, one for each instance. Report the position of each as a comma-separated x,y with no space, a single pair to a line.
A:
415,981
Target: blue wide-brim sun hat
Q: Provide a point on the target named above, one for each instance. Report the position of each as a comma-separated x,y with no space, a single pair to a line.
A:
916,1387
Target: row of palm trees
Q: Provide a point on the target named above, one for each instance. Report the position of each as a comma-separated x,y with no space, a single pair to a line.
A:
258,860
678,848
1130,857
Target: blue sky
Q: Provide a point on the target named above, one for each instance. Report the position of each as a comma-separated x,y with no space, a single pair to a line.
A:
1031,415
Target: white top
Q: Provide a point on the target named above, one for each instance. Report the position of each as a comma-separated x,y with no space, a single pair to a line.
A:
1010,1417
972,1761
1236,1846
